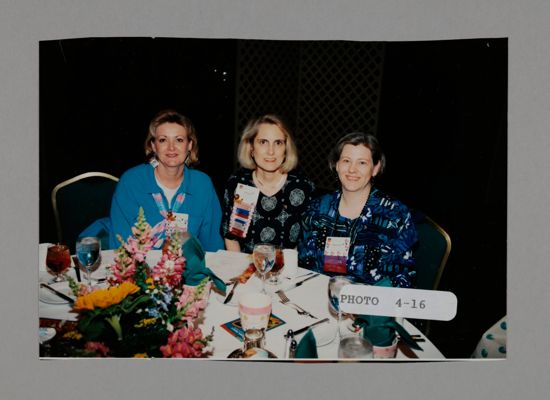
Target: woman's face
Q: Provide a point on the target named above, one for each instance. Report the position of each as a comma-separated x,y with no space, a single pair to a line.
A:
269,147
355,167
171,144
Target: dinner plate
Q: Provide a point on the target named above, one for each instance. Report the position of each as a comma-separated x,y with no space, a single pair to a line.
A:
241,288
47,296
324,333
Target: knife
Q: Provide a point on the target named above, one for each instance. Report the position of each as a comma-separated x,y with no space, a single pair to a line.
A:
76,268
231,293
305,328
299,283
57,293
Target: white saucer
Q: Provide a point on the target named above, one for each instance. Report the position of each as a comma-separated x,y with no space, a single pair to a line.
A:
46,296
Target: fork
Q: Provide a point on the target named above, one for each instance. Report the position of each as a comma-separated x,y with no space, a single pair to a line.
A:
286,301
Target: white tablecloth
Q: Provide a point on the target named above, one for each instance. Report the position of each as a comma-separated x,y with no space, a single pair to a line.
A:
312,296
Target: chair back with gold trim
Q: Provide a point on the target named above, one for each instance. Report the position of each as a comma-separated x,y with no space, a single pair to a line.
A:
431,254
80,201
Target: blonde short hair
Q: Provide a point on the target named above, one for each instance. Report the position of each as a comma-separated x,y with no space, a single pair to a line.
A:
171,116
244,152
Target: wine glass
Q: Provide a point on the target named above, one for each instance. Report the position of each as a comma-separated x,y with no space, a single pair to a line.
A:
264,259
277,267
89,257
58,260
335,285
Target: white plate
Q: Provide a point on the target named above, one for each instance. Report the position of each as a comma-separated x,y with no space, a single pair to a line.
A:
46,296
220,298
252,285
45,334
324,333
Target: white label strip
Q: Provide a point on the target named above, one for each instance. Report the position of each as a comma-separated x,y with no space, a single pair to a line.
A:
398,302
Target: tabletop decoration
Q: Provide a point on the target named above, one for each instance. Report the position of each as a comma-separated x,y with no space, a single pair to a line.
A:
144,311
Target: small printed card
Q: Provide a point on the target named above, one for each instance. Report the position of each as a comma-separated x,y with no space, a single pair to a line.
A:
336,254
244,204
234,327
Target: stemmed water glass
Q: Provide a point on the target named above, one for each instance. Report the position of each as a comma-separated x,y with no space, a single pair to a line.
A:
89,258
335,285
58,260
264,259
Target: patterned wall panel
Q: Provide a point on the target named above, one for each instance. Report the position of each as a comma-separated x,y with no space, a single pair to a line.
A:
267,81
323,88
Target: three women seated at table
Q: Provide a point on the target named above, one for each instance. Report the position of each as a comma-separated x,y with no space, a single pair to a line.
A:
357,230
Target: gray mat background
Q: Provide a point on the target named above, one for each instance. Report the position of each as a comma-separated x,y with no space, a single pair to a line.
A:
524,375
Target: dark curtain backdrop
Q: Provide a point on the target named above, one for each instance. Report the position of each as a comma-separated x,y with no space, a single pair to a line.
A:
442,121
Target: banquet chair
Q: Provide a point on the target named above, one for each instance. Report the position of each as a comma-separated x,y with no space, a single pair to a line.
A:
431,254
83,203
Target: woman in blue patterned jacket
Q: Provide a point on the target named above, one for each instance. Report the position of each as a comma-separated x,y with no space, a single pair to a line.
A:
358,230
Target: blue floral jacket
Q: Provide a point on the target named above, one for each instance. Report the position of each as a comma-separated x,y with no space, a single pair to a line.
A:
382,238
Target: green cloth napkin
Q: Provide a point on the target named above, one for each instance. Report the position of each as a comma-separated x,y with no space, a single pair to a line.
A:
307,348
195,267
381,330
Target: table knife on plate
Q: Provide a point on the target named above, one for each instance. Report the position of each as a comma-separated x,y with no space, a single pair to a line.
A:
58,293
231,293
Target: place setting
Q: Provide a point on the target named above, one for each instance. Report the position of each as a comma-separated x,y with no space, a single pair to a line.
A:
270,309
57,268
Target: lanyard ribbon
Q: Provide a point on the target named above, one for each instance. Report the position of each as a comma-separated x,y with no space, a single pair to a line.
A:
159,229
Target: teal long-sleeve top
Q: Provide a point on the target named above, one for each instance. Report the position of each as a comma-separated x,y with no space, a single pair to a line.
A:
136,188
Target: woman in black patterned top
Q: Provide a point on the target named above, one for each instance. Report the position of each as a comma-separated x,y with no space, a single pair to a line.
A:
264,200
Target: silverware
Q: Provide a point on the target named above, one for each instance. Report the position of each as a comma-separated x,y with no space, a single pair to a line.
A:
286,301
299,283
416,338
299,276
297,308
305,328
57,293
231,293
76,268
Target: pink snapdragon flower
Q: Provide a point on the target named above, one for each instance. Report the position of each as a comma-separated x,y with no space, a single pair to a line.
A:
97,347
169,270
184,343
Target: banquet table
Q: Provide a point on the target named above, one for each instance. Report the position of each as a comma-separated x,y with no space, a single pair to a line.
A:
312,296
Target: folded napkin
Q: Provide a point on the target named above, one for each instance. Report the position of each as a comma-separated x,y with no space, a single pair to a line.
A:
195,267
381,330
101,229
307,348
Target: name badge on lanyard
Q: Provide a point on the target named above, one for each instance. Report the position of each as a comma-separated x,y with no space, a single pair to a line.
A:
336,254
244,204
177,222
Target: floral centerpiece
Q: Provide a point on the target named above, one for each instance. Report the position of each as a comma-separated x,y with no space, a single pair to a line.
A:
144,311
